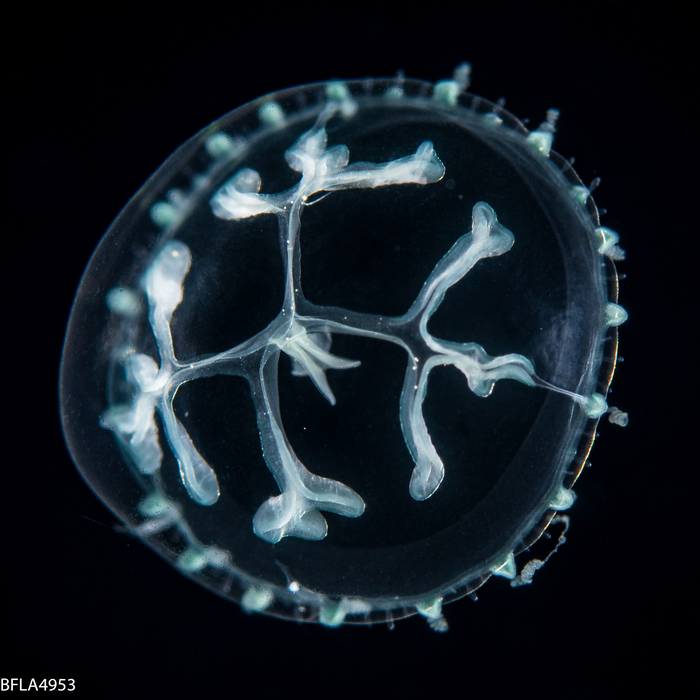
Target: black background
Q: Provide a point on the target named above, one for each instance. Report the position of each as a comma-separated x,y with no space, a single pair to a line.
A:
99,101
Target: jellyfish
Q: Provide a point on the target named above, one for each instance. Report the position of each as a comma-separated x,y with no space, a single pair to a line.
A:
342,357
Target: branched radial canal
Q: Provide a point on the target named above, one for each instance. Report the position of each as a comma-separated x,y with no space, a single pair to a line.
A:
306,339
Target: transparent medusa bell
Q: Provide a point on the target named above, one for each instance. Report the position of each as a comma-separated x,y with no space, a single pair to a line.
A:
343,355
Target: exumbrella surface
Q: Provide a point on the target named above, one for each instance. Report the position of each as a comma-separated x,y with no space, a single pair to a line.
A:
343,355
